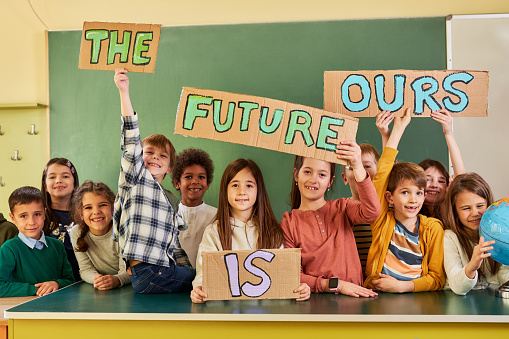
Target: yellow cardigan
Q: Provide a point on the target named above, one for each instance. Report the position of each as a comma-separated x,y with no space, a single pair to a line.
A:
431,235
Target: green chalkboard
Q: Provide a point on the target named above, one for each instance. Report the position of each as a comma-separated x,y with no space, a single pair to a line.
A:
283,61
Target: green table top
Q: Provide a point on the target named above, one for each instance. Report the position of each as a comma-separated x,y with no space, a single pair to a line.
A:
82,301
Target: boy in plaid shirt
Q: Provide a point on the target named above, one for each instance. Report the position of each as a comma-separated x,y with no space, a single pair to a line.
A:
144,222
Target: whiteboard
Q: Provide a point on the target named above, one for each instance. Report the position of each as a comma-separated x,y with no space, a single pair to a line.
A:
481,42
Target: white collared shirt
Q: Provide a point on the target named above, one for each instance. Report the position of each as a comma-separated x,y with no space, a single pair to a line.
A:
31,242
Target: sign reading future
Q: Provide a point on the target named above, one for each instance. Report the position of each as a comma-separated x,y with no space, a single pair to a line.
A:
365,93
264,123
107,45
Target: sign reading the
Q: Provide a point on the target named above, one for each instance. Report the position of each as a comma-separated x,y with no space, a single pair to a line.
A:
262,122
259,274
365,93
108,45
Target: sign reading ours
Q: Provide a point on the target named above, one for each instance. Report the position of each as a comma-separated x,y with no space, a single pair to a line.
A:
263,122
107,45
365,93
259,274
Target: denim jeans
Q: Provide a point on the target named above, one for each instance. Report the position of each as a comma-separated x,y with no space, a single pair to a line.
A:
148,278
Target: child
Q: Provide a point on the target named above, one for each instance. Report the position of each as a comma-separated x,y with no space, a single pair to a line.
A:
144,223
323,229
7,230
59,180
192,175
98,255
467,263
406,254
244,220
362,232
437,175
31,264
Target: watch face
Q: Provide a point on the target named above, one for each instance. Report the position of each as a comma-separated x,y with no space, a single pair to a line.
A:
333,283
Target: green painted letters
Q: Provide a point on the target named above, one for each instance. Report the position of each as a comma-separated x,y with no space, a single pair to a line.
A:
247,107
115,48
276,120
192,111
217,116
140,47
294,126
96,35
325,132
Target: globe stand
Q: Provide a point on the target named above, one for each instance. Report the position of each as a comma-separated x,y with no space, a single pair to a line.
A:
503,291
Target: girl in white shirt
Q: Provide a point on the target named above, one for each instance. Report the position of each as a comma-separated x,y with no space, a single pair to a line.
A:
244,220
466,258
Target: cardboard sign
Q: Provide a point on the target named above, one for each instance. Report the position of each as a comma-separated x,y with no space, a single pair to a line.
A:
262,122
259,274
108,45
365,93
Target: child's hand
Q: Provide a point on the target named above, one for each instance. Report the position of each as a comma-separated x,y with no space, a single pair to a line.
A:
478,254
386,283
383,120
46,287
445,118
351,152
351,289
106,282
304,292
197,295
121,79
402,122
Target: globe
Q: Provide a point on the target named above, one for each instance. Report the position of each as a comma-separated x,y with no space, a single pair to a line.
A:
495,226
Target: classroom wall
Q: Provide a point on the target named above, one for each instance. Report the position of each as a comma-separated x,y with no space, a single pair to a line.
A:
24,72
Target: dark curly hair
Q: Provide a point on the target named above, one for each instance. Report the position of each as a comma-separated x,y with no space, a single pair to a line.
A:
189,157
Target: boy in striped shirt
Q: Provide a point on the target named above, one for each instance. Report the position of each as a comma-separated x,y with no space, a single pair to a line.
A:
406,254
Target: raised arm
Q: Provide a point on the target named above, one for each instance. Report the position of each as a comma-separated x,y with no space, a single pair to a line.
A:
400,124
122,82
445,118
383,120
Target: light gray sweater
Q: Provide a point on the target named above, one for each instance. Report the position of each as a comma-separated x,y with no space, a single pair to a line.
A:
102,257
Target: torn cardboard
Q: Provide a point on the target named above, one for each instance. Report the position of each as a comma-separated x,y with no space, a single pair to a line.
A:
108,45
366,93
253,274
263,122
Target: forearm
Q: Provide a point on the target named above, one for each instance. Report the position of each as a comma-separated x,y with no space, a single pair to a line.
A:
125,103
455,154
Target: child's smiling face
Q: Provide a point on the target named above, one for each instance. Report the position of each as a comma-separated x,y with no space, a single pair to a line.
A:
59,181
192,185
29,219
242,193
313,179
157,161
470,208
96,212
407,200
436,185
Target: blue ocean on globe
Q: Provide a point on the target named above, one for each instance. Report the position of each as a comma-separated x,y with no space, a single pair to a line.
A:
495,226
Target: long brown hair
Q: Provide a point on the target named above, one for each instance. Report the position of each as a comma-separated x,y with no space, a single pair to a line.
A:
77,206
473,183
295,192
51,222
270,232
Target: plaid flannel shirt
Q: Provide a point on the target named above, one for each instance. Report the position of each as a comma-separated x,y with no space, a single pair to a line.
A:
144,223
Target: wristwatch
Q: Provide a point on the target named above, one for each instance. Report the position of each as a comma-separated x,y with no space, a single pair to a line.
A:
333,284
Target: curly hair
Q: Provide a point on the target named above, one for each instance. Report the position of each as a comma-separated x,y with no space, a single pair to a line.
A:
88,186
189,157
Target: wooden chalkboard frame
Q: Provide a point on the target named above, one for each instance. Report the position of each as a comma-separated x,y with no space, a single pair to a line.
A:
283,61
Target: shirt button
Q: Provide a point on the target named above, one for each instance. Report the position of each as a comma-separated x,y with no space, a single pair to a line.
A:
323,231
317,216
320,223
